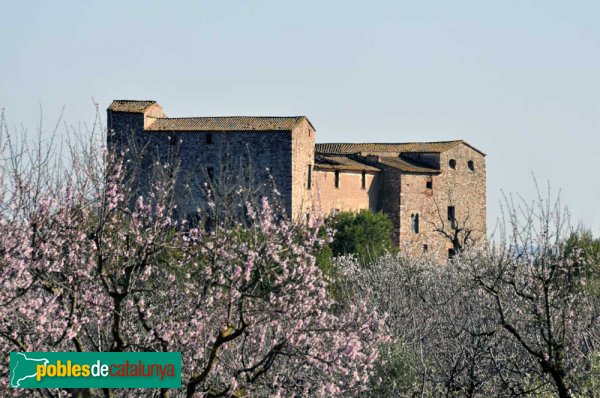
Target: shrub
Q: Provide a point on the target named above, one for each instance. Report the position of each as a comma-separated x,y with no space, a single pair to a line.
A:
365,234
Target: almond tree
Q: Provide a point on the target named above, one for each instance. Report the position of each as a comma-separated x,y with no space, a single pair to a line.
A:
516,318
82,269
539,296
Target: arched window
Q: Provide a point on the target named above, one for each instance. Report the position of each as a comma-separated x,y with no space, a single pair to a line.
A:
471,165
415,222
452,163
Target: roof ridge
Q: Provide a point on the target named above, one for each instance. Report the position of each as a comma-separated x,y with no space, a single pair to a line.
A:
222,117
226,123
418,146
131,106
130,100
388,143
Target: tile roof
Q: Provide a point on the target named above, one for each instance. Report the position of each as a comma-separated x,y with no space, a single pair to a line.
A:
349,148
341,163
226,123
130,106
405,165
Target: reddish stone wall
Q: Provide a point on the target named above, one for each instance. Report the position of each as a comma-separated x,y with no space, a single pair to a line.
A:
350,196
460,187
390,199
303,155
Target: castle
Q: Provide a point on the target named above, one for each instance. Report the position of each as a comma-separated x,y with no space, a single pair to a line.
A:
434,192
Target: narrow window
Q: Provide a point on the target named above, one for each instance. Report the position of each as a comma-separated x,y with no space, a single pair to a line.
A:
193,219
415,223
471,165
172,140
337,178
425,248
209,139
309,179
452,163
211,173
307,218
451,253
363,183
429,183
452,216
208,224
451,213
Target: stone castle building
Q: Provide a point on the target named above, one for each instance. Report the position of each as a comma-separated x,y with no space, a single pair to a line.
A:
430,190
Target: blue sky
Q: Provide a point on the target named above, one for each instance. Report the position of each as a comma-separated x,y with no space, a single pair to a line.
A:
517,79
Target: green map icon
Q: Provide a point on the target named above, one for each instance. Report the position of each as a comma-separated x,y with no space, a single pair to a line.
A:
24,366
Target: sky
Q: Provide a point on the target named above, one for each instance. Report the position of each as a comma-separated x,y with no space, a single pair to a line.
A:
517,79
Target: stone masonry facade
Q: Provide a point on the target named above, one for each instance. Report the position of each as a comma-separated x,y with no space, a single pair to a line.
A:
426,188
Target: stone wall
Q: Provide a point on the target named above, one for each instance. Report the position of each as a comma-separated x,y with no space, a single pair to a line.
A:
459,187
302,156
253,155
390,199
350,196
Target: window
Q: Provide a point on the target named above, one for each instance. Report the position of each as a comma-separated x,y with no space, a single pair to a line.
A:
451,253
415,223
363,183
452,163
172,141
451,213
211,173
309,177
307,218
337,178
471,165
209,139
425,248
193,220
429,183
452,216
208,224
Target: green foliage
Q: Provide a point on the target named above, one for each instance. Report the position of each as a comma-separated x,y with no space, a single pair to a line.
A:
365,234
594,381
585,249
324,259
586,246
394,375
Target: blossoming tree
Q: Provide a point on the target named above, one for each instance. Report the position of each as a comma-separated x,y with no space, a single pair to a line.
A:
84,269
